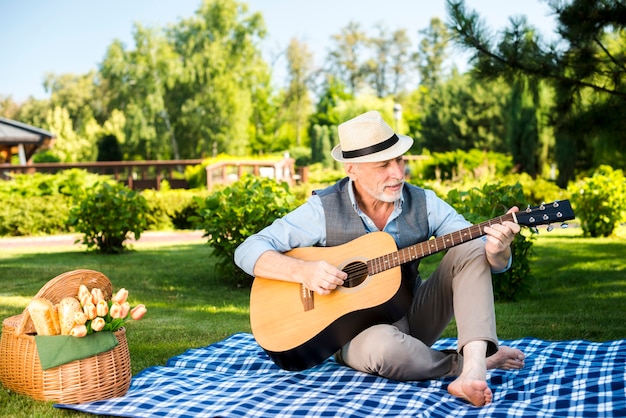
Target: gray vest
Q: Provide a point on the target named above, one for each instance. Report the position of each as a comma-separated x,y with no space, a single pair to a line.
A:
343,224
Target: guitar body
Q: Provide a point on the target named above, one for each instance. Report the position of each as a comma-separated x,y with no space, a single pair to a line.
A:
297,337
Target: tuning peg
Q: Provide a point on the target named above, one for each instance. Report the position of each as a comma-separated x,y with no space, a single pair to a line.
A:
543,206
534,229
549,228
528,209
564,225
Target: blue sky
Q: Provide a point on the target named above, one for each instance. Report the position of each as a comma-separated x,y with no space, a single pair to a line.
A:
71,36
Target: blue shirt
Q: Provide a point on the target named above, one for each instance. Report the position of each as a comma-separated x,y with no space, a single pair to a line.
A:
306,226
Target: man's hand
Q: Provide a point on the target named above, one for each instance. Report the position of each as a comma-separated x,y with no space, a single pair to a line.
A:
322,277
318,276
499,239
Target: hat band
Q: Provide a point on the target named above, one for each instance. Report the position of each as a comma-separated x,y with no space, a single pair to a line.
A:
381,146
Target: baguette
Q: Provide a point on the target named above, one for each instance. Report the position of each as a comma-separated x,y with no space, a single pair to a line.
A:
44,316
67,309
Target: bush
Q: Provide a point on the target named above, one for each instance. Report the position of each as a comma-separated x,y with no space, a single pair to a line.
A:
107,214
65,183
537,190
458,165
232,214
599,201
39,203
172,209
33,215
492,200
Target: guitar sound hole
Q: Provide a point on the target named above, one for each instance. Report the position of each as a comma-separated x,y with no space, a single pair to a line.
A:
357,273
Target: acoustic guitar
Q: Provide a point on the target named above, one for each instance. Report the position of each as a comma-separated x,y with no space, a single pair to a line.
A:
299,329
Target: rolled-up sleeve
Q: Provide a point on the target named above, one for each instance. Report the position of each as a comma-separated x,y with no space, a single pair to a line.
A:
303,227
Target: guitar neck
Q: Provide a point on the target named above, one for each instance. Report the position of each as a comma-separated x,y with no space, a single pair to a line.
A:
432,246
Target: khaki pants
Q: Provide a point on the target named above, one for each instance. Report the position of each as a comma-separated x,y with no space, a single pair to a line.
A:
461,288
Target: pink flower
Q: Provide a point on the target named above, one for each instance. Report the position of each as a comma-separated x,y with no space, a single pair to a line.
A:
96,295
80,318
83,291
98,324
90,310
102,308
78,331
121,296
85,298
125,309
138,312
116,311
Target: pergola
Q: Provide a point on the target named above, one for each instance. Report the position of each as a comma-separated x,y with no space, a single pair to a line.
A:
20,139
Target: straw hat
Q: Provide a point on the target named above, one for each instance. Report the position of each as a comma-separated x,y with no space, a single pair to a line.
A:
368,138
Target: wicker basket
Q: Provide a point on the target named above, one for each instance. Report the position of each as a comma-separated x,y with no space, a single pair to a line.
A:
103,376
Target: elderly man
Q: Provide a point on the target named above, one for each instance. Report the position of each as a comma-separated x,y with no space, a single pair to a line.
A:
375,197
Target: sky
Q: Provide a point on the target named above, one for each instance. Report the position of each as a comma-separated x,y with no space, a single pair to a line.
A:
71,36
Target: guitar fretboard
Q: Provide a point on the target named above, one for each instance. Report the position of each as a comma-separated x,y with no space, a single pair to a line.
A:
432,246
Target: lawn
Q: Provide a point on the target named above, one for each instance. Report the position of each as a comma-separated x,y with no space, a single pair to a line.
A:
579,292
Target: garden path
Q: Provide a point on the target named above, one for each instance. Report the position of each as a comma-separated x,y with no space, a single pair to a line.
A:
69,239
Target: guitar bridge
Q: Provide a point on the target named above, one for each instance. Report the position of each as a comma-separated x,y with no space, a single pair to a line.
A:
306,296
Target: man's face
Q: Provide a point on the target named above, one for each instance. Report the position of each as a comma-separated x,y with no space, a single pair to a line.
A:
382,180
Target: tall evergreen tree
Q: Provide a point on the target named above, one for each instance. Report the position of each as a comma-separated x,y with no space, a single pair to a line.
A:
586,67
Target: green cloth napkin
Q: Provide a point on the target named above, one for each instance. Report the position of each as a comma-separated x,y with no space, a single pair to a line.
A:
55,350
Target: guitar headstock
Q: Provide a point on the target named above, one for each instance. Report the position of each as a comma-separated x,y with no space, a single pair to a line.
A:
546,213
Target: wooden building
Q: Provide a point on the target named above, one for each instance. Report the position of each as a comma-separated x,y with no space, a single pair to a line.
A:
21,140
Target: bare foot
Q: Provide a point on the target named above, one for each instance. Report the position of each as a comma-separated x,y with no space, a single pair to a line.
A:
475,391
506,358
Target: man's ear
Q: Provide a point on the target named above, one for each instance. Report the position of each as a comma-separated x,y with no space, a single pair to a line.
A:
351,170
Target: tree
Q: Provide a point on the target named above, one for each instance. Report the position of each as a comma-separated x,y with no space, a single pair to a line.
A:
297,99
70,145
464,114
74,93
346,59
432,53
333,93
586,68
109,149
138,82
8,107
389,62
221,63
522,128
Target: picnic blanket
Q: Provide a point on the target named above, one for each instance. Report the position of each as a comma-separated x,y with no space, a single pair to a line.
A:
235,378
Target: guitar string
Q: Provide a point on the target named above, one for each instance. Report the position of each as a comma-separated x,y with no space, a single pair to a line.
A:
355,273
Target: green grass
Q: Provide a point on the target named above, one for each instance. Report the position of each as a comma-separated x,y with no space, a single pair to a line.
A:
579,292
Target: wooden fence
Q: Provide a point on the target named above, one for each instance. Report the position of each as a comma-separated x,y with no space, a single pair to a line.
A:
139,175
228,171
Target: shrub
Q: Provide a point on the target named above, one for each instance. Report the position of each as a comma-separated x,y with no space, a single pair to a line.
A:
66,183
232,214
459,164
196,175
33,215
39,203
599,201
107,214
492,200
537,190
172,208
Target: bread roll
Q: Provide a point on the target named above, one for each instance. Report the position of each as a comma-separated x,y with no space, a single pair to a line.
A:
67,308
44,316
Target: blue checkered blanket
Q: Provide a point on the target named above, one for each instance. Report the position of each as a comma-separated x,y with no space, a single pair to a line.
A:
235,378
